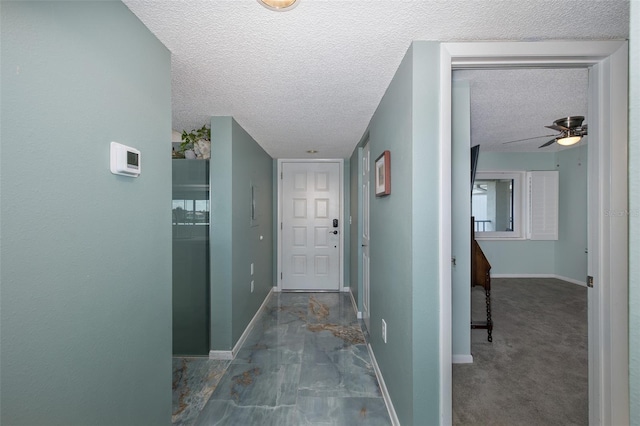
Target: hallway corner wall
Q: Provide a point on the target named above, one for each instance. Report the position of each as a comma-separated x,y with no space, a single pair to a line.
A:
391,280
239,168
85,254
570,248
404,245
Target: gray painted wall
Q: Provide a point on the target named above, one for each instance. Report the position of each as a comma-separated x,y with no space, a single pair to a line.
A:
86,255
404,237
237,163
634,217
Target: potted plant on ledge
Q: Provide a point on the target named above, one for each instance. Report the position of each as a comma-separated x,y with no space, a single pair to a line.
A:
196,144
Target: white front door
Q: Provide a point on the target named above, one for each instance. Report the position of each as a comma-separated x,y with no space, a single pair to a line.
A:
366,179
311,226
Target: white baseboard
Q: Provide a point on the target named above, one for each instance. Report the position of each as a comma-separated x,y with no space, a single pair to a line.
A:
355,305
232,353
220,354
572,281
383,389
559,277
462,359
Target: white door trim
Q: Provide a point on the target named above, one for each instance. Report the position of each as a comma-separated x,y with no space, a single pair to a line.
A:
365,219
341,217
608,363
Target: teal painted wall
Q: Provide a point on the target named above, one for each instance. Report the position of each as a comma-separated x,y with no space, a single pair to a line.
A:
522,256
570,256
405,235
391,282
565,257
221,233
461,218
251,166
634,217
237,162
426,233
86,255
514,161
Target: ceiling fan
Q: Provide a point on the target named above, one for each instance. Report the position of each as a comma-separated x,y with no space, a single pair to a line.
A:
571,131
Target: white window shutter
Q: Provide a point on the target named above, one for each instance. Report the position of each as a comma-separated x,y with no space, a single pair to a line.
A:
543,188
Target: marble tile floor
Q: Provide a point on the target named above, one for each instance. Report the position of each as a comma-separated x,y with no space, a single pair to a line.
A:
304,363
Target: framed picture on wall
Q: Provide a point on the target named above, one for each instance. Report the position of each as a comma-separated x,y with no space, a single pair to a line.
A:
383,174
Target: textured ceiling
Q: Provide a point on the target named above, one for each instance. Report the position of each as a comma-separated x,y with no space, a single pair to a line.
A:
509,105
311,78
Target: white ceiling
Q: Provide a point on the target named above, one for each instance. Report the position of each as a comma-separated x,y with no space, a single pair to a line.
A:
312,77
509,105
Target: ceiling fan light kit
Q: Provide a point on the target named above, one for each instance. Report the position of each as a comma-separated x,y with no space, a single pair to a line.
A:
570,128
569,140
279,5
571,132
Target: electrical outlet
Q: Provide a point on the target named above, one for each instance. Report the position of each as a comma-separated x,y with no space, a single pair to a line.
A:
251,286
252,269
384,331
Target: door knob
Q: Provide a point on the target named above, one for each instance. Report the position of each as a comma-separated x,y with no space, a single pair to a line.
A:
333,232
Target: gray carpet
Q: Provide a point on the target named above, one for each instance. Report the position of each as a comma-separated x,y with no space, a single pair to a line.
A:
535,371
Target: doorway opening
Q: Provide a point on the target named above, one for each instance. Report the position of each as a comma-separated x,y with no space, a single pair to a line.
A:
607,257
526,266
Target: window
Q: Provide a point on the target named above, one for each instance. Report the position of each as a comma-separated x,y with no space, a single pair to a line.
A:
497,205
190,212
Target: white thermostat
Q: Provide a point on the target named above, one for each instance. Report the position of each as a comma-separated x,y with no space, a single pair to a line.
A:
125,160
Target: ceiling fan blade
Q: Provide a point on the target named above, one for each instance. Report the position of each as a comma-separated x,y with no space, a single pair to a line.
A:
527,139
547,143
558,128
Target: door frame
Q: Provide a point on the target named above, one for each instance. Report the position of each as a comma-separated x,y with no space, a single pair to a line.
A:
608,176
341,228
365,314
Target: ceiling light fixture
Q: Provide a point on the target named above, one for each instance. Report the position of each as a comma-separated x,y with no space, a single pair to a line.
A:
569,138
312,151
279,5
